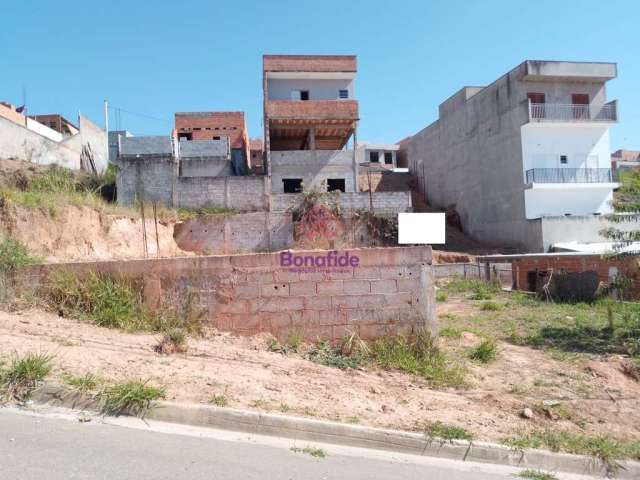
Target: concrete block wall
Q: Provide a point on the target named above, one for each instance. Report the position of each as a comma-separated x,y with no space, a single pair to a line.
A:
384,181
148,178
244,194
387,291
313,167
248,232
384,203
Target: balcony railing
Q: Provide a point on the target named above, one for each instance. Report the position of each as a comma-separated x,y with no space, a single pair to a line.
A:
570,175
557,112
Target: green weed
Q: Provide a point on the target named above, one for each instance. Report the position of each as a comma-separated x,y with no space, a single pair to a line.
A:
133,397
446,432
83,383
14,255
24,374
485,352
309,450
219,400
536,475
441,296
490,307
450,332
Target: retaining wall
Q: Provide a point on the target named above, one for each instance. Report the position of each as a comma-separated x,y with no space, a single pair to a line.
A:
384,291
248,232
384,203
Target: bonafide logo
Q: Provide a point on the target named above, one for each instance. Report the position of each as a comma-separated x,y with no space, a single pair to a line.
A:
331,261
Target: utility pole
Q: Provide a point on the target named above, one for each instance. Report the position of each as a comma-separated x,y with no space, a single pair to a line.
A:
106,126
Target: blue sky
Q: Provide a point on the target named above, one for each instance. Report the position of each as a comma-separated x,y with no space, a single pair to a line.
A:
158,57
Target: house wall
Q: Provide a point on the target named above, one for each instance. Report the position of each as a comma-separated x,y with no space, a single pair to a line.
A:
319,89
21,143
387,291
384,181
205,167
384,203
43,130
568,199
585,228
313,167
472,157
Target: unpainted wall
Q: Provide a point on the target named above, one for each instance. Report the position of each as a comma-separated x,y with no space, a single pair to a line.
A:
384,203
387,291
312,166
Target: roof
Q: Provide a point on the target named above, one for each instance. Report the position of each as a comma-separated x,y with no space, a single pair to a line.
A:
210,114
150,145
309,63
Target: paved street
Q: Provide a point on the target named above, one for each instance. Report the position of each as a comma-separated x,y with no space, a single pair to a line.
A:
62,447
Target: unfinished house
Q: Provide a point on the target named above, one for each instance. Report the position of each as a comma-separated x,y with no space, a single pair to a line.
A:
310,114
525,161
229,126
56,122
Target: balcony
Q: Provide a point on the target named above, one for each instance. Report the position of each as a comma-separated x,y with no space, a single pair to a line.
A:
570,175
558,112
312,109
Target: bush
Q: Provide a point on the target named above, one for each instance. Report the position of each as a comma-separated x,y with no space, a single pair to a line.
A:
490,307
174,340
485,352
441,296
418,354
134,397
325,354
84,383
13,255
24,374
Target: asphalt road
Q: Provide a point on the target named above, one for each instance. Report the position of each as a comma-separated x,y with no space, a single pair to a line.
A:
45,446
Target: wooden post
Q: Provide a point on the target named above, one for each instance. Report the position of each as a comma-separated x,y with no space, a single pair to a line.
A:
155,222
144,231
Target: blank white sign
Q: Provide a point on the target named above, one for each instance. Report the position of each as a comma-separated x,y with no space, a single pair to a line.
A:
421,228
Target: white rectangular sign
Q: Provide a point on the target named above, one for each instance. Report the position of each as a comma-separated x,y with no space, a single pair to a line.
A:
421,228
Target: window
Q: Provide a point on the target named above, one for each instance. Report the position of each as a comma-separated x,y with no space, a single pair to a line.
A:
343,93
292,185
304,94
536,97
216,138
373,157
388,158
563,160
580,99
185,136
580,105
197,128
335,184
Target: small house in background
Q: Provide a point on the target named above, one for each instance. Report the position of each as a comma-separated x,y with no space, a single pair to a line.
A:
256,155
56,122
625,160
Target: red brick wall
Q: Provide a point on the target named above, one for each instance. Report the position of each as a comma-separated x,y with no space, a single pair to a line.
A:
389,291
215,124
574,264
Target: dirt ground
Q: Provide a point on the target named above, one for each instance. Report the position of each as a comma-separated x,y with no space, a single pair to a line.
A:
598,397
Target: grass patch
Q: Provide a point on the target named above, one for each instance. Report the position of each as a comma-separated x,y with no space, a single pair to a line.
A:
309,450
477,289
291,343
603,448
450,332
490,307
24,374
536,475
325,354
441,296
83,383
485,352
419,355
219,400
442,431
353,420
134,397
174,340
14,255
116,303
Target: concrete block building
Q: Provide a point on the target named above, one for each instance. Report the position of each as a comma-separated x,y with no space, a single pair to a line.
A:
310,114
524,157
218,126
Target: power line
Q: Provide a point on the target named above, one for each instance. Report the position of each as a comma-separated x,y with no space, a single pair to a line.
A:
117,111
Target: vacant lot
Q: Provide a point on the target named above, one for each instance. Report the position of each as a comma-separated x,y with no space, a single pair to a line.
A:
573,373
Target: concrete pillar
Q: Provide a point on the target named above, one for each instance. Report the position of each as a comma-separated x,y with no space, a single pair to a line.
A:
356,188
311,138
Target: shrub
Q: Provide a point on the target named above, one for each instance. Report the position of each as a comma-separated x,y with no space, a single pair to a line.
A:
485,352
536,475
325,354
441,296
418,354
490,307
13,255
219,400
309,450
24,374
134,397
174,340
446,432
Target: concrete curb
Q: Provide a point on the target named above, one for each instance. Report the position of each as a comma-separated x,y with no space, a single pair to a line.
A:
312,430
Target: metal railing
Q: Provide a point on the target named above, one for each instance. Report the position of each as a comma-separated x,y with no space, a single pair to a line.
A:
573,112
570,175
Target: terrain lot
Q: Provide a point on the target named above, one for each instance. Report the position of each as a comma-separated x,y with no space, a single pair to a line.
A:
574,387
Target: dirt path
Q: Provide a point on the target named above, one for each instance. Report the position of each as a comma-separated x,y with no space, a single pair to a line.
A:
251,377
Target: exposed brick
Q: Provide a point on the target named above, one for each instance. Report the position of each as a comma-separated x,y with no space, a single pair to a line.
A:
303,288
384,286
354,287
332,287
274,290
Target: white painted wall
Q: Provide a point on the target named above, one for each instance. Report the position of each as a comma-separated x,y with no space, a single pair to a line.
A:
574,199
43,130
319,89
586,146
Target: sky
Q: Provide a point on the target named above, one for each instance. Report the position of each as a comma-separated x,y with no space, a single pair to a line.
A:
150,59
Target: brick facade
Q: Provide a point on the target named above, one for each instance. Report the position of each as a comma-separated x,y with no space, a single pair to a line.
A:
386,291
309,63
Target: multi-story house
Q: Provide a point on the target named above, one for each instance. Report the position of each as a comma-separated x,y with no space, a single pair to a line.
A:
310,114
525,161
